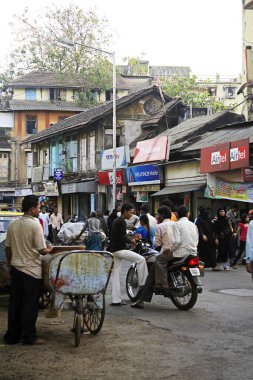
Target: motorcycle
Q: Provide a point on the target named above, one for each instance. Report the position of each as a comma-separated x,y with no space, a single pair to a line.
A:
183,278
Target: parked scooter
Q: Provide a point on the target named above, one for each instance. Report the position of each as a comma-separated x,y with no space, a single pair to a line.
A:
183,278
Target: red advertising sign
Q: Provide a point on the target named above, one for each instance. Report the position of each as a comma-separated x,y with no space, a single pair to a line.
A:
239,154
106,178
215,158
247,175
221,157
151,150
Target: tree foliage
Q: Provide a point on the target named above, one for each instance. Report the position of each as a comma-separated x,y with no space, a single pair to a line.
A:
191,92
37,45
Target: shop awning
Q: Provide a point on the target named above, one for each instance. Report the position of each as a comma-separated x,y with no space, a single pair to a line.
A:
179,189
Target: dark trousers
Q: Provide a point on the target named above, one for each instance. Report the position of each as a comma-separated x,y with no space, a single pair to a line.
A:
23,308
147,291
241,250
54,234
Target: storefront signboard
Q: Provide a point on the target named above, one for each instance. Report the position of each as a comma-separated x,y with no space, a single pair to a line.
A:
239,154
122,158
142,196
214,158
247,174
156,149
144,174
51,189
218,189
106,178
58,174
23,192
226,156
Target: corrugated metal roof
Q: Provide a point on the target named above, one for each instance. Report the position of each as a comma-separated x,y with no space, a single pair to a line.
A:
192,127
91,115
34,105
232,133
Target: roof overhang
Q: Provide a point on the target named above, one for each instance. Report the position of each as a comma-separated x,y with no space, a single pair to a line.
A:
249,5
179,189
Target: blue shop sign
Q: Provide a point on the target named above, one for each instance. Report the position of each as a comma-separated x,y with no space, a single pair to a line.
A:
143,175
58,174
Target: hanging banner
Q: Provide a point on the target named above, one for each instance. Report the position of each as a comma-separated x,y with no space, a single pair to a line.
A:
219,189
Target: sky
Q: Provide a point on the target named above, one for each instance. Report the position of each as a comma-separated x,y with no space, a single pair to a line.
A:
203,34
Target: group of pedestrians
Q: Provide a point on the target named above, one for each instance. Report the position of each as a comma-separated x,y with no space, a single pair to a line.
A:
222,239
25,242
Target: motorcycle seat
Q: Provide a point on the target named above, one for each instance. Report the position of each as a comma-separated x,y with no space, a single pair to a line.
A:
178,260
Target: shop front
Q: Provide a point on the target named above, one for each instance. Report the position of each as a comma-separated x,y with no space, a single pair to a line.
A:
144,181
105,180
183,185
78,198
229,175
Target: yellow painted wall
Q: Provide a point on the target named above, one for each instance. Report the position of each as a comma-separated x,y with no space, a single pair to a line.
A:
53,117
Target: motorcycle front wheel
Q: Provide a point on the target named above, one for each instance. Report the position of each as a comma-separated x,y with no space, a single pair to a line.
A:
132,284
188,300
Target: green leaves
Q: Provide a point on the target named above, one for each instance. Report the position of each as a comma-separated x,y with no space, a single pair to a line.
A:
191,92
37,44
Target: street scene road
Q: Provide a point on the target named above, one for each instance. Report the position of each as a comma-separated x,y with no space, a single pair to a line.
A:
213,341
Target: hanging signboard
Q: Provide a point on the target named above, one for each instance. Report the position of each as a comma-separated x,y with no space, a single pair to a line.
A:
51,189
214,158
218,189
247,174
122,158
58,174
156,149
142,196
144,174
226,156
239,154
106,178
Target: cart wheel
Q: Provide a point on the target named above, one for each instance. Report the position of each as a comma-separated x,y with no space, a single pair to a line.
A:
77,329
93,315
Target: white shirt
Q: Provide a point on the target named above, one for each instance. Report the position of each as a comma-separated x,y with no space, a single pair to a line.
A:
185,238
45,218
163,234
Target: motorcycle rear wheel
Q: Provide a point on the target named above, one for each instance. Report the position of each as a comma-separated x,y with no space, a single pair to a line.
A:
132,284
188,301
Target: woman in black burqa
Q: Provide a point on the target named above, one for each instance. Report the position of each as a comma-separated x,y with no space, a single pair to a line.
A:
223,233
206,246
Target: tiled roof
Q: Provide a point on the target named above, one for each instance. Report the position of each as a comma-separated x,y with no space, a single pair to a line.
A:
46,79
50,105
92,115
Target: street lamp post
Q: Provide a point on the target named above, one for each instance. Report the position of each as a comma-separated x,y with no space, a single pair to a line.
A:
114,130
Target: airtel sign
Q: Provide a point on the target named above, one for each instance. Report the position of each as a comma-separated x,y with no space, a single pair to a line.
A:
222,157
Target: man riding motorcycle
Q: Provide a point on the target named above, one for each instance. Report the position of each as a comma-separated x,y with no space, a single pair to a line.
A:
177,239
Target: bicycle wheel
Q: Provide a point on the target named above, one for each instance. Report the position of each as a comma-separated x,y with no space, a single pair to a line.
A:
77,329
94,313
